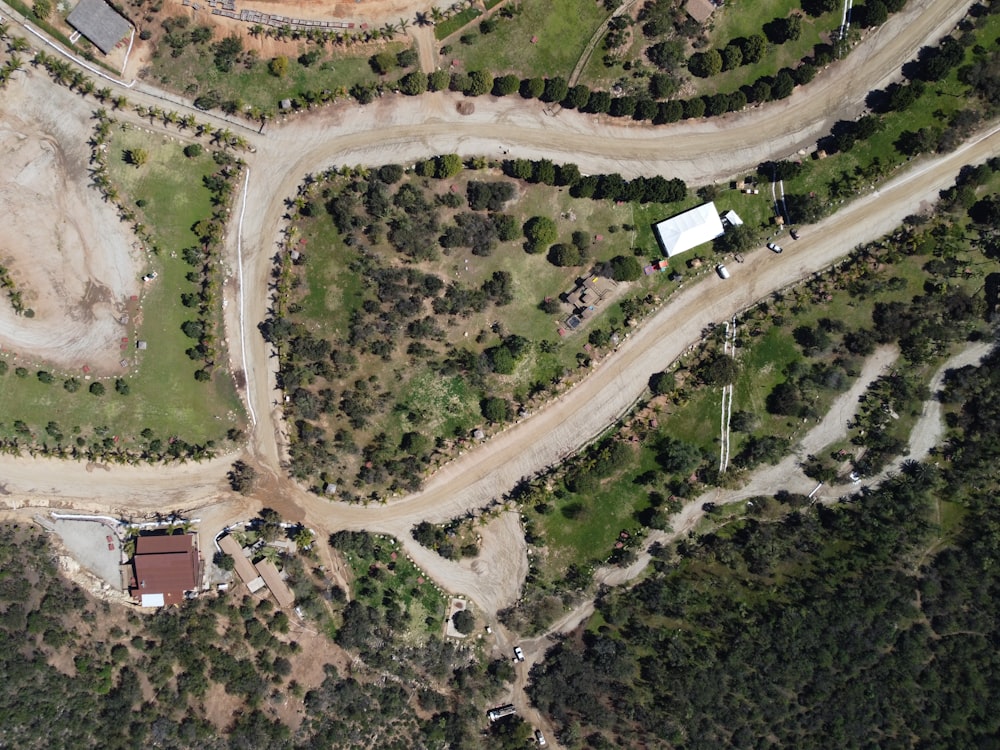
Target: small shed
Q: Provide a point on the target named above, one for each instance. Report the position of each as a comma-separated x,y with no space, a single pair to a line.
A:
140,345
100,23
699,10
731,219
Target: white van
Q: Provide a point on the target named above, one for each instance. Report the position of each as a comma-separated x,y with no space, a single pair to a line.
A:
722,271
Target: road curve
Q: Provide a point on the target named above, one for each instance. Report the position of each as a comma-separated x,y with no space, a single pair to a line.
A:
400,129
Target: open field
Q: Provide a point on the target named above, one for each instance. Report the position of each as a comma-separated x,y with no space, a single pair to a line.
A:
162,394
73,262
544,39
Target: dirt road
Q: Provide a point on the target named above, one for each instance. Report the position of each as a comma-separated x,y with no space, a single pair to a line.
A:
401,129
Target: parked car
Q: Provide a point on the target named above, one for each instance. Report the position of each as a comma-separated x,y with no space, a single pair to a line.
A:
518,653
794,233
855,477
722,271
540,738
774,248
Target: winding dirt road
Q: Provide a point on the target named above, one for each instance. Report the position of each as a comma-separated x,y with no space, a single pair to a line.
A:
401,129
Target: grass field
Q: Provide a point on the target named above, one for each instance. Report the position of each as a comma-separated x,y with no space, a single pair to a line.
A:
194,74
560,28
398,580
163,394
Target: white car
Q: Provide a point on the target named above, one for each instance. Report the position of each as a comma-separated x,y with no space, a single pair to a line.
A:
518,654
855,477
722,271
774,248
540,738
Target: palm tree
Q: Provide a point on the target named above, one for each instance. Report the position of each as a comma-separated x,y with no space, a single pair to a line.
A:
4,29
14,63
103,94
389,29
403,23
120,102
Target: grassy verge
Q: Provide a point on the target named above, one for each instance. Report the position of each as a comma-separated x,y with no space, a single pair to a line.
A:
449,26
543,39
252,86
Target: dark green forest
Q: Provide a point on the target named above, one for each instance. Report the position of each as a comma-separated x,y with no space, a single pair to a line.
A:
218,673
872,623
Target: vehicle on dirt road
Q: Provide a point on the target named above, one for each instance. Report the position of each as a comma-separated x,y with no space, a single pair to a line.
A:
774,248
794,233
722,271
518,654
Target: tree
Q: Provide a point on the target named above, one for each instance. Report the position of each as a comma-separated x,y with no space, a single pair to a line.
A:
242,478
677,456
577,97
136,157
540,232
496,410
556,89
661,383
97,388
875,13
447,165
732,57
227,51
506,85
532,88
192,150
41,9
753,48
720,369
564,255
736,239
480,83
278,66
383,62
413,83
705,64
625,268
464,621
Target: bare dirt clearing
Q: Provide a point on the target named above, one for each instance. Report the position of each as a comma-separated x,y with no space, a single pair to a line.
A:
69,255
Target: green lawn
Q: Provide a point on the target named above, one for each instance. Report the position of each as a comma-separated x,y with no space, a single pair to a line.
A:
194,74
398,580
561,28
590,537
163,394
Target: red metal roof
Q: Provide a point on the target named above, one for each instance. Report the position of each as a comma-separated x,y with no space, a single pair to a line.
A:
165,565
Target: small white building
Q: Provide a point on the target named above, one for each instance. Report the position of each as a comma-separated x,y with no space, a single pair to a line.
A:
687,230
731,219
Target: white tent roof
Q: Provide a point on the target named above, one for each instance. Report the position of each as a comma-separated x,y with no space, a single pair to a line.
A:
733,218
151,600
689,229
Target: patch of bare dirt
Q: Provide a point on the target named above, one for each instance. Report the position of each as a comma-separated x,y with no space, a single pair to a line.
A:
73,261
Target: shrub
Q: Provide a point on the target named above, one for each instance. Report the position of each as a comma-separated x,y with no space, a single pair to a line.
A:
97,389
625,268
192,150
540,232
564,255
278,66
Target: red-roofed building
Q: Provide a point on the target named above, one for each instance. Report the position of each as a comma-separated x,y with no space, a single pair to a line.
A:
164,567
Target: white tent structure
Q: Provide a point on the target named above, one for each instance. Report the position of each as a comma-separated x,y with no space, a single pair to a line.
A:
689,229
